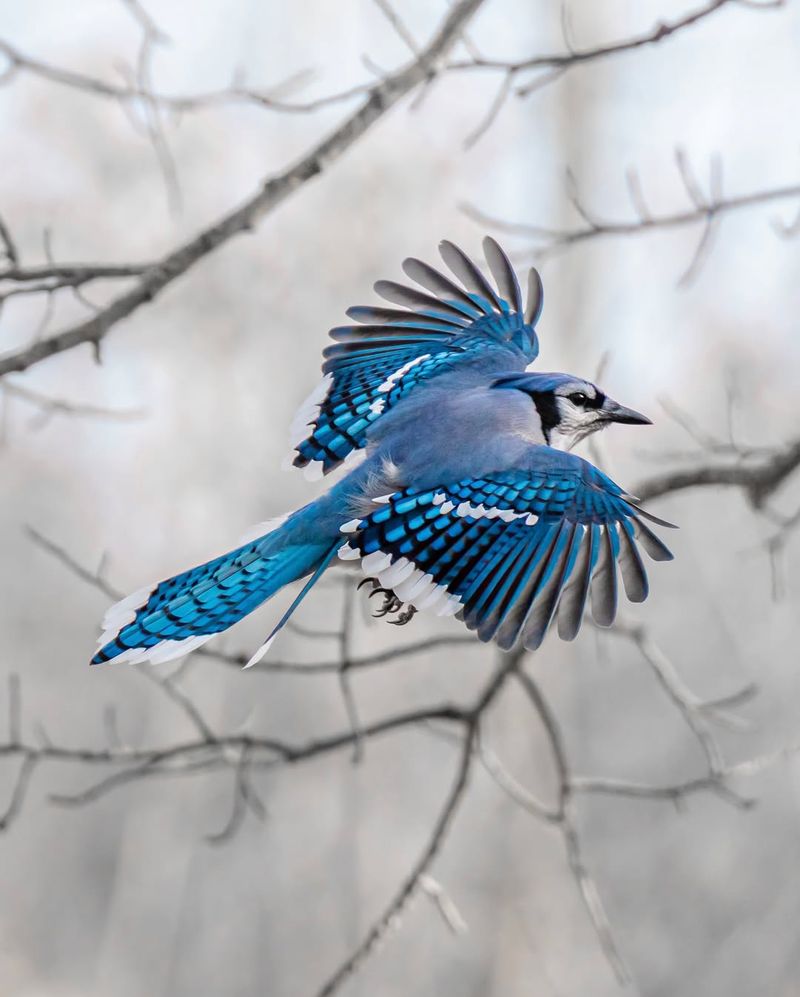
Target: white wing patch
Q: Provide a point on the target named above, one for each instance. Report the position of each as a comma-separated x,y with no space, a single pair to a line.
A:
392,380
304,419
408,582
302,424
309,411
466,509
307,414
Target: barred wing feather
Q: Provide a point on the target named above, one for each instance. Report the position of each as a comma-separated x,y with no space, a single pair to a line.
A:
391,351
510,551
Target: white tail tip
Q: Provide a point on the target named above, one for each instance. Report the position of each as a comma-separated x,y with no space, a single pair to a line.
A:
260,652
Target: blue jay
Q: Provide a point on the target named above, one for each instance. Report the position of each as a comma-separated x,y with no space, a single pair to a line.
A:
461,497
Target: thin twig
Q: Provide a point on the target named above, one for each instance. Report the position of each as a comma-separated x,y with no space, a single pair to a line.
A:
273,191
566,823
550,240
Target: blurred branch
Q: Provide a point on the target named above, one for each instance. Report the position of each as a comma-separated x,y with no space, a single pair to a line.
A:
379,99
343,672
47,407
71,274
758,479
574,56
550,67
132,92
240,753
9,246
705,212
471,719
392,654
139,91
564,818
399,26
152,37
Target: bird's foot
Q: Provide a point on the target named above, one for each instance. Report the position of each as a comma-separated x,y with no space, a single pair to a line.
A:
406,616
390,604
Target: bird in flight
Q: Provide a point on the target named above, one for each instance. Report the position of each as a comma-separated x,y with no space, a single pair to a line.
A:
461,494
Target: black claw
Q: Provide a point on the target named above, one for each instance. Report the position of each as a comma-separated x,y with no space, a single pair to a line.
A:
390,604
406,616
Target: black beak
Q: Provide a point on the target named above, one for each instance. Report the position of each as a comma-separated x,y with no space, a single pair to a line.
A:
614,412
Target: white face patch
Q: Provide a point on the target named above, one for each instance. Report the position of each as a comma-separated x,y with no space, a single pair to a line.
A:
575,423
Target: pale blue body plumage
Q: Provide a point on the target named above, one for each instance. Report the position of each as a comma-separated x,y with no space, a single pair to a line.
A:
461,504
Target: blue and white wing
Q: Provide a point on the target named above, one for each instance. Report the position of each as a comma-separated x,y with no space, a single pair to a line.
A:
508,550
374,364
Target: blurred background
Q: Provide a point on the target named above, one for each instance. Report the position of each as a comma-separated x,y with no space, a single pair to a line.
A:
126,895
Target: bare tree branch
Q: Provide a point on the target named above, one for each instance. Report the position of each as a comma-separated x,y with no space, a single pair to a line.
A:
548,68
413,881
47,407
380,98
9,246
552,240
758,480
508,665
564,818
573,56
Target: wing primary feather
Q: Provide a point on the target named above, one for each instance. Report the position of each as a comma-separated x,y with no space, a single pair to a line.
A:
399,294
469,275
653,519
432,280
604,582
373,315
653,545
509,631
634,577
364,337
544,607
528,563
488,610
573,601
503,273
535,302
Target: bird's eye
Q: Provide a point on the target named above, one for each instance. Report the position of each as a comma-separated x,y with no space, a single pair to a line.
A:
578,398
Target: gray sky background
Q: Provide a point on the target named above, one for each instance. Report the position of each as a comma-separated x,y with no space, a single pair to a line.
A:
126,897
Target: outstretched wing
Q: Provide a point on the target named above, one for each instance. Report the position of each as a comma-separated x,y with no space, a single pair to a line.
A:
392,350
507,550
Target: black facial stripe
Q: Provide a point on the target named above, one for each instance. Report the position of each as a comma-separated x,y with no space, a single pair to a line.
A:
547,407
596,402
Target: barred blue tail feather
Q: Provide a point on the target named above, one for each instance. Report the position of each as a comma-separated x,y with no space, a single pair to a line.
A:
178,615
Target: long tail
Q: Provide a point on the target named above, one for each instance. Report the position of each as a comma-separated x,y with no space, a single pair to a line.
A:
178,615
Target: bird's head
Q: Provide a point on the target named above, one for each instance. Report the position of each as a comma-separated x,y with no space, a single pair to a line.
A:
568,407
